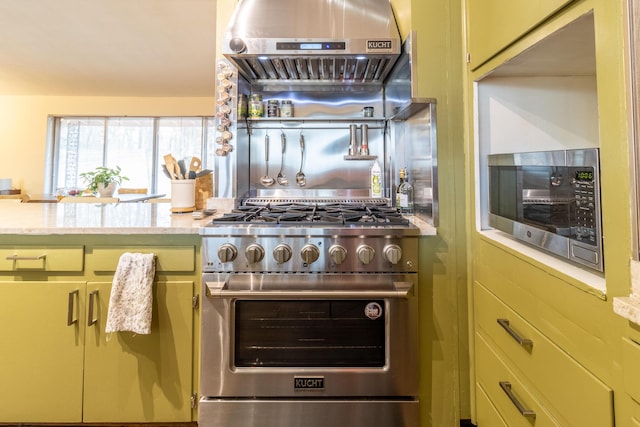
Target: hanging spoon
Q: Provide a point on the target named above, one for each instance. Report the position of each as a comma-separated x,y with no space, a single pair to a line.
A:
301,179
266,180
282,180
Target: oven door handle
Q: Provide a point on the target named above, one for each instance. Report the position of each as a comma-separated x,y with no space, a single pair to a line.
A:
218,289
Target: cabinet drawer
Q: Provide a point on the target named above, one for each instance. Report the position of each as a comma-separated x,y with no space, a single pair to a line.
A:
631,368
491,372
41,258
575,394
168,258
487,414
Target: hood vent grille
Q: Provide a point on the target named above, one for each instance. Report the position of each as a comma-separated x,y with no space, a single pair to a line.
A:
332,43
314,70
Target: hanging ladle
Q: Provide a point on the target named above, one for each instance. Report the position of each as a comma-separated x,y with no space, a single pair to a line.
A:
301,180
282,180
266,180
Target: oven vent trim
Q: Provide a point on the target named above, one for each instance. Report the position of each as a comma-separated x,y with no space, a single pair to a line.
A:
259,201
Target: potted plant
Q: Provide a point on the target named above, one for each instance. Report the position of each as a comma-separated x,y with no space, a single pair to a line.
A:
103,180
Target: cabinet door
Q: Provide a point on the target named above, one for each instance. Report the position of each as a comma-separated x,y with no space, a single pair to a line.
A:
42,330
495,24
140,378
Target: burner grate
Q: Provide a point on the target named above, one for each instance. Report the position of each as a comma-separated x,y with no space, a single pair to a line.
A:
318,214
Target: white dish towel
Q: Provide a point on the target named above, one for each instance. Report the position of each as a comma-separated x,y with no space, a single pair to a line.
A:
131,300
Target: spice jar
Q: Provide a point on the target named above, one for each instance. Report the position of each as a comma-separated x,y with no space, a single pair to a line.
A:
256,108
286,109
273,108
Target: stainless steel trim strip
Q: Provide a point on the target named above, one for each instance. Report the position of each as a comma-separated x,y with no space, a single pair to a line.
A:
263,412
217,289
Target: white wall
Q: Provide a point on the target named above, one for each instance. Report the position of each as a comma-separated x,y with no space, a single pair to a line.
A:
23,126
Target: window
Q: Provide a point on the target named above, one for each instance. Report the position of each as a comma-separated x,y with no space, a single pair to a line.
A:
136,144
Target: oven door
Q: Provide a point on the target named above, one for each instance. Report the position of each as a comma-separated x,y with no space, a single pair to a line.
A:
309,335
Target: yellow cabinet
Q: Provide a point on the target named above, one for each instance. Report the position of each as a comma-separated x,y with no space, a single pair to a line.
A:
41,362
59,366
140,378
514,399
493,25
530,361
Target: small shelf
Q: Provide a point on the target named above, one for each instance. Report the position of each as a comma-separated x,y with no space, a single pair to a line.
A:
358,157
315,119
280,123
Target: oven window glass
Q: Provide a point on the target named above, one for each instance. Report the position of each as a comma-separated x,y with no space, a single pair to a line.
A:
503,196
310,333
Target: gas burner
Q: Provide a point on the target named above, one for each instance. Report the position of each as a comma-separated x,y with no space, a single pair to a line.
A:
314,214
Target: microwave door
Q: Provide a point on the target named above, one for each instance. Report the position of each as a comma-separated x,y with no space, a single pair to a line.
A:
547,198
505,196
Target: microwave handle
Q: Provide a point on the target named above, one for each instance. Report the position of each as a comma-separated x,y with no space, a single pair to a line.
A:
217,289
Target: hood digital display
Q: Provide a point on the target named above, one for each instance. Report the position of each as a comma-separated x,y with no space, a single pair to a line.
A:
311,46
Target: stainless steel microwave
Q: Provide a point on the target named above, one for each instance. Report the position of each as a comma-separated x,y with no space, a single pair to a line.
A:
550,199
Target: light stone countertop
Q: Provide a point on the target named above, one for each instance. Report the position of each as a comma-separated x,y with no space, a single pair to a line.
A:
629,307
111,218
426,229
89,218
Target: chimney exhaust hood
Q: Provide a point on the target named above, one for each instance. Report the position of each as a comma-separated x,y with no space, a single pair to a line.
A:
313,42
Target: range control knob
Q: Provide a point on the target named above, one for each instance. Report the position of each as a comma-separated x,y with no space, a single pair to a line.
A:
338,254
365,253
393,253
227,252
254,253
282,253
309,253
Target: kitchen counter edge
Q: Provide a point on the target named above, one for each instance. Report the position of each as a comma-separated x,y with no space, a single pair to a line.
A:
116,219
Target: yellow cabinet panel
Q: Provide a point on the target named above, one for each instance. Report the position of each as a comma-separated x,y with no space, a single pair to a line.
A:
572,391
42,354
140,378
487,414
45,258
168,258
495,24
491,371
631,368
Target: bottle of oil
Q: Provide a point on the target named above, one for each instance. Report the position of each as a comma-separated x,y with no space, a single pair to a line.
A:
406,195
398,188
376,180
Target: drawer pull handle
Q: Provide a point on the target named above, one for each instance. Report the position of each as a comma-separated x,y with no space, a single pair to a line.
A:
25,258
71,319
524,342
92,297
506,387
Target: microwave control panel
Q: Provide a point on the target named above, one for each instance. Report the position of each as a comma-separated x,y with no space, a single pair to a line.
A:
585,195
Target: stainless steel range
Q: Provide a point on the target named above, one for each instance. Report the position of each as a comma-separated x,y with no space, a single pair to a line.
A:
310,316
310,286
